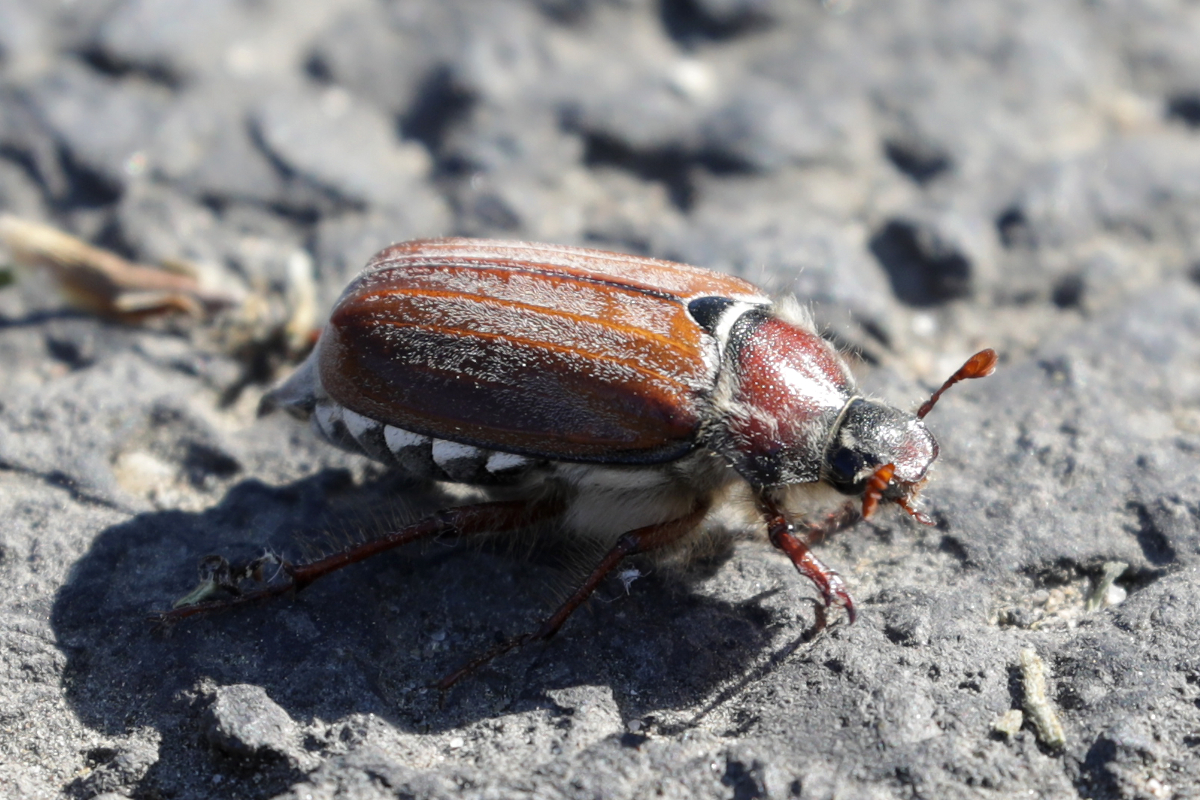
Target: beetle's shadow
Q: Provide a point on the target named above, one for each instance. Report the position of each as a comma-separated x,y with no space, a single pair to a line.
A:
371,638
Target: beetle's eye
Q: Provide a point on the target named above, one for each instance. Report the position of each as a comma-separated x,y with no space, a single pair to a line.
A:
844,466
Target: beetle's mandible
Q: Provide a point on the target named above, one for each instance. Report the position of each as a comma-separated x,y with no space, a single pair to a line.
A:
621,397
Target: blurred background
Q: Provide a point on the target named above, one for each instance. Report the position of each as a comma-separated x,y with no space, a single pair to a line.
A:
932,176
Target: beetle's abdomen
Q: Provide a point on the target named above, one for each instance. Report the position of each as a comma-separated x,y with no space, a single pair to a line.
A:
417,455
546,352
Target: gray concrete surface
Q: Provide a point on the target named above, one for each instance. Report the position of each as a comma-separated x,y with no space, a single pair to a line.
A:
935,176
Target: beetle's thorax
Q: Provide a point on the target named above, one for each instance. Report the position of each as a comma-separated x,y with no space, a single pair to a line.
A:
786,388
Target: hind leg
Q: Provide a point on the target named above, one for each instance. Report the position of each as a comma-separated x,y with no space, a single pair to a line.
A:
482,518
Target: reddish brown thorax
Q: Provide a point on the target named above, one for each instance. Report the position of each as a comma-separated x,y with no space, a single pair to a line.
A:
791,388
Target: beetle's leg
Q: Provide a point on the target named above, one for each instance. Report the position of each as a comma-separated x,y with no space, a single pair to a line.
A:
462,521
782,534
916,514
642,540
878,483
846,516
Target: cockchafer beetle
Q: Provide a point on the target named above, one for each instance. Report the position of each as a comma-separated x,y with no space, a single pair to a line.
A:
621,397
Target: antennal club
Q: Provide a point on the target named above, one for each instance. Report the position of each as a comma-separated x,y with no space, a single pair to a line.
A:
979,365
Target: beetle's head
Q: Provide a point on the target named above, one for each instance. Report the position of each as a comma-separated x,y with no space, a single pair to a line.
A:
883,453
872,434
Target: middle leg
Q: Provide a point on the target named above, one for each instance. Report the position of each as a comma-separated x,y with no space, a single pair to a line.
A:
641,540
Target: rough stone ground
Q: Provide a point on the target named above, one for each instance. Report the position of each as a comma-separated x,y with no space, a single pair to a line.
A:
935,176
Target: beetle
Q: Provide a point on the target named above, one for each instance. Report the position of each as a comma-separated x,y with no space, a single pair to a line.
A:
620,397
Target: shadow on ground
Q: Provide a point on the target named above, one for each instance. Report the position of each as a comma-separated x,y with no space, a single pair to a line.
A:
370,639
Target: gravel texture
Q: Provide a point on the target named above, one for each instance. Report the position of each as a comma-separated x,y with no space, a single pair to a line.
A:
934,176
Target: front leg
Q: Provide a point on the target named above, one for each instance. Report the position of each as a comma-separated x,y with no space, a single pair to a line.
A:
782,534
846,516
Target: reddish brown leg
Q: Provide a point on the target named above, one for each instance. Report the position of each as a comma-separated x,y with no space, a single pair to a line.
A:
877,484
845,517
455,522
919,516
642,540
782,534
